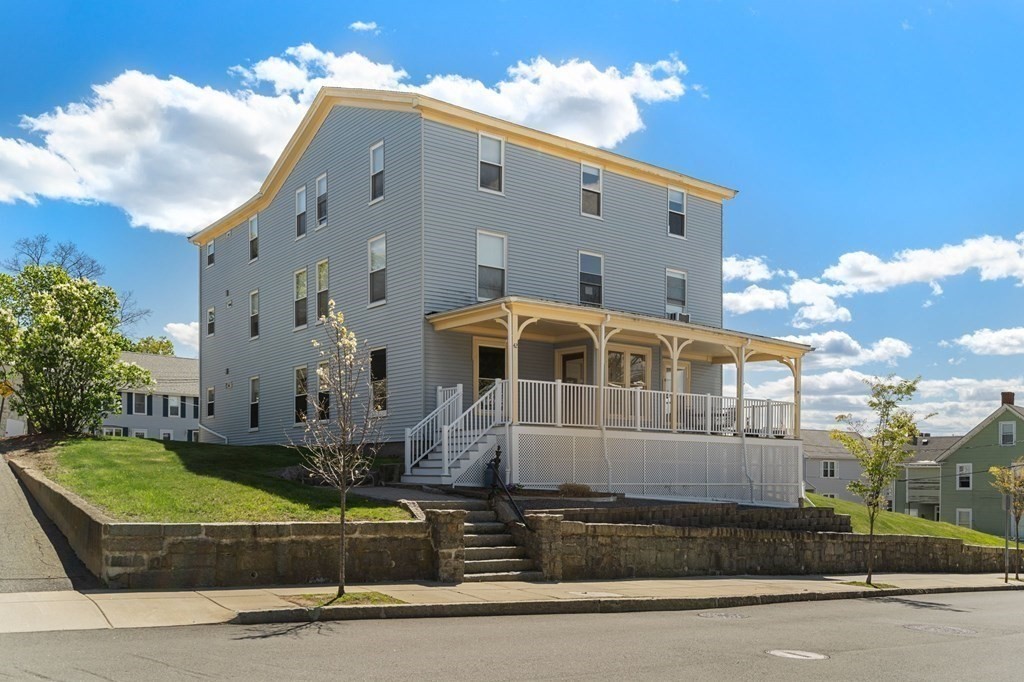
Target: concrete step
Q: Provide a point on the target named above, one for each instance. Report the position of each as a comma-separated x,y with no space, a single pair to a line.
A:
484,527
489,540
421,479
503,576
481,515
498,565
499,552
469,504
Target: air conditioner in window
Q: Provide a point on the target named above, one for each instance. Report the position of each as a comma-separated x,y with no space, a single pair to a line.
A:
678,317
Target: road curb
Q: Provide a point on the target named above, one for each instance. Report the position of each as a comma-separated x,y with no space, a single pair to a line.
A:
573,606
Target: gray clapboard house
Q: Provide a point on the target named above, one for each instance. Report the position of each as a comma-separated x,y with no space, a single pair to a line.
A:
168,409
517,289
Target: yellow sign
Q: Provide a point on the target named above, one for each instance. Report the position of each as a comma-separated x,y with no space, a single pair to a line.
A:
6,390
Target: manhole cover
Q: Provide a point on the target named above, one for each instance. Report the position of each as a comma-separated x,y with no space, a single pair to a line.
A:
941,629
722,615
797,654
595,594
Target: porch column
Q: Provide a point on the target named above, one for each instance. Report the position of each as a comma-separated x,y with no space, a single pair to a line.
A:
797,394
512,366
741,358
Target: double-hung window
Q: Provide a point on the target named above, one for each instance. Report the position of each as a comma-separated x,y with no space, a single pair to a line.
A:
301,394
677,213
828,469
675,292
139,403
301,299
379,379
174,406
254,403
1007,433
300,212
321,200
377,172
322,293
211,252
254,314
211,398
964,476
965,518
490,265
323,396
378,265
590,190
254,238
591,279
492,163
211,315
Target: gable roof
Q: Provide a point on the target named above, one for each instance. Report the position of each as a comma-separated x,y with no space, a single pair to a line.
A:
436,110
1014,410
819,445
171,375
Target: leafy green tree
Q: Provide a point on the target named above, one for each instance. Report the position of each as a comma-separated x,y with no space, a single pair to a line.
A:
1010,482
881,447
154,345
59,349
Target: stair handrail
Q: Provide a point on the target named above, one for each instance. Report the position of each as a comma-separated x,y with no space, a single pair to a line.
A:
470,426
497,482
421,439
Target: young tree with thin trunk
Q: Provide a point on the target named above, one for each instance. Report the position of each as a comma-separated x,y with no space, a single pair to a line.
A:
881,449
342,439
1010,482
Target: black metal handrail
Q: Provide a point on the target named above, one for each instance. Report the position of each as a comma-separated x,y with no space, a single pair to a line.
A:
497,483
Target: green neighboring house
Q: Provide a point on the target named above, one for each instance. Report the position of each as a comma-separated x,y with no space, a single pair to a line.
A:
956,487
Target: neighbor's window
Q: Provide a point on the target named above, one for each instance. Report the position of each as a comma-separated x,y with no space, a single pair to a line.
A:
254,314
677,212
301,394
964,476
300,212
323,396
830,496
377,171
211,396
254,403
301,299
965,518
210,316
675,291
322,293
591,279
492,163
1007,433
321,200
828,469
590,190
139,403
211,250
378,264
254,238
490,265
173,406
379,379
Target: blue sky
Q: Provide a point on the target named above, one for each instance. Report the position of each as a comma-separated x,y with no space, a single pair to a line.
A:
864,138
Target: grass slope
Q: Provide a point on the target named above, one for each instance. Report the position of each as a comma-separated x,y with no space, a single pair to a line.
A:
891,523
133,479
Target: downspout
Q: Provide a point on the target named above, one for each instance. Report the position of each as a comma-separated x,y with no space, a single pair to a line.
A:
204,427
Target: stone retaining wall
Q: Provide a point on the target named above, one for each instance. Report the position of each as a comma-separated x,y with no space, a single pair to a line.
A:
164,555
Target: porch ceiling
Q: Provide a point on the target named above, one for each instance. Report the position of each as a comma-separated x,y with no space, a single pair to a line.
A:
554,322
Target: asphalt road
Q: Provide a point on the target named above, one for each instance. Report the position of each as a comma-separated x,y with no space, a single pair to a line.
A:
34,556
944,637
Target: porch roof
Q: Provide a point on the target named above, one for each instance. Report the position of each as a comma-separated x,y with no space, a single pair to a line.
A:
557,322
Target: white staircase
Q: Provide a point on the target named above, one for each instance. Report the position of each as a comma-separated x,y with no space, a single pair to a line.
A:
430,469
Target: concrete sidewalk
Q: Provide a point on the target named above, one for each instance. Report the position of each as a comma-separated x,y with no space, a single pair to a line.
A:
69,610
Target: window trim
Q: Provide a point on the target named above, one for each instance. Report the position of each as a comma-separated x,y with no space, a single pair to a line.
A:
668,216
970,517
135,405
375,412
211,250
171,398
316,199
326,289
296,299
504,260
212,310
305,212
1013,434
579,275
670,272
211,391
254,294
383,166
167,432
254,402
826,470
964,469
296,394
479,160
254,223
136,432
369,270
600,191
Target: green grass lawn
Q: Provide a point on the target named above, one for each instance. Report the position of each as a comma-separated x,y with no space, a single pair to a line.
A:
891,523
133,479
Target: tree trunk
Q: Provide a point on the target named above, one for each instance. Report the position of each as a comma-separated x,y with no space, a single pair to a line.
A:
341,548
871,546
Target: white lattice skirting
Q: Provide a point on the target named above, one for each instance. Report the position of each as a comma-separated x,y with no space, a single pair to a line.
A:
665,466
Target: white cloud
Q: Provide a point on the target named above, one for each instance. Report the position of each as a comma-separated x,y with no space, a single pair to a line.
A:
184,334
906,26
364,26
140,141
754,298
834,349
752,269
994,341
818,305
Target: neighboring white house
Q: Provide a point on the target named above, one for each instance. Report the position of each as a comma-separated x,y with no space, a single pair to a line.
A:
168,409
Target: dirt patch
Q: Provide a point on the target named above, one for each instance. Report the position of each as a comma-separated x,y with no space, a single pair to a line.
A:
37,451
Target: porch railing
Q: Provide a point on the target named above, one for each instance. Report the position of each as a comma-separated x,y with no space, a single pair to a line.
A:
553,403
423,438
473,424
